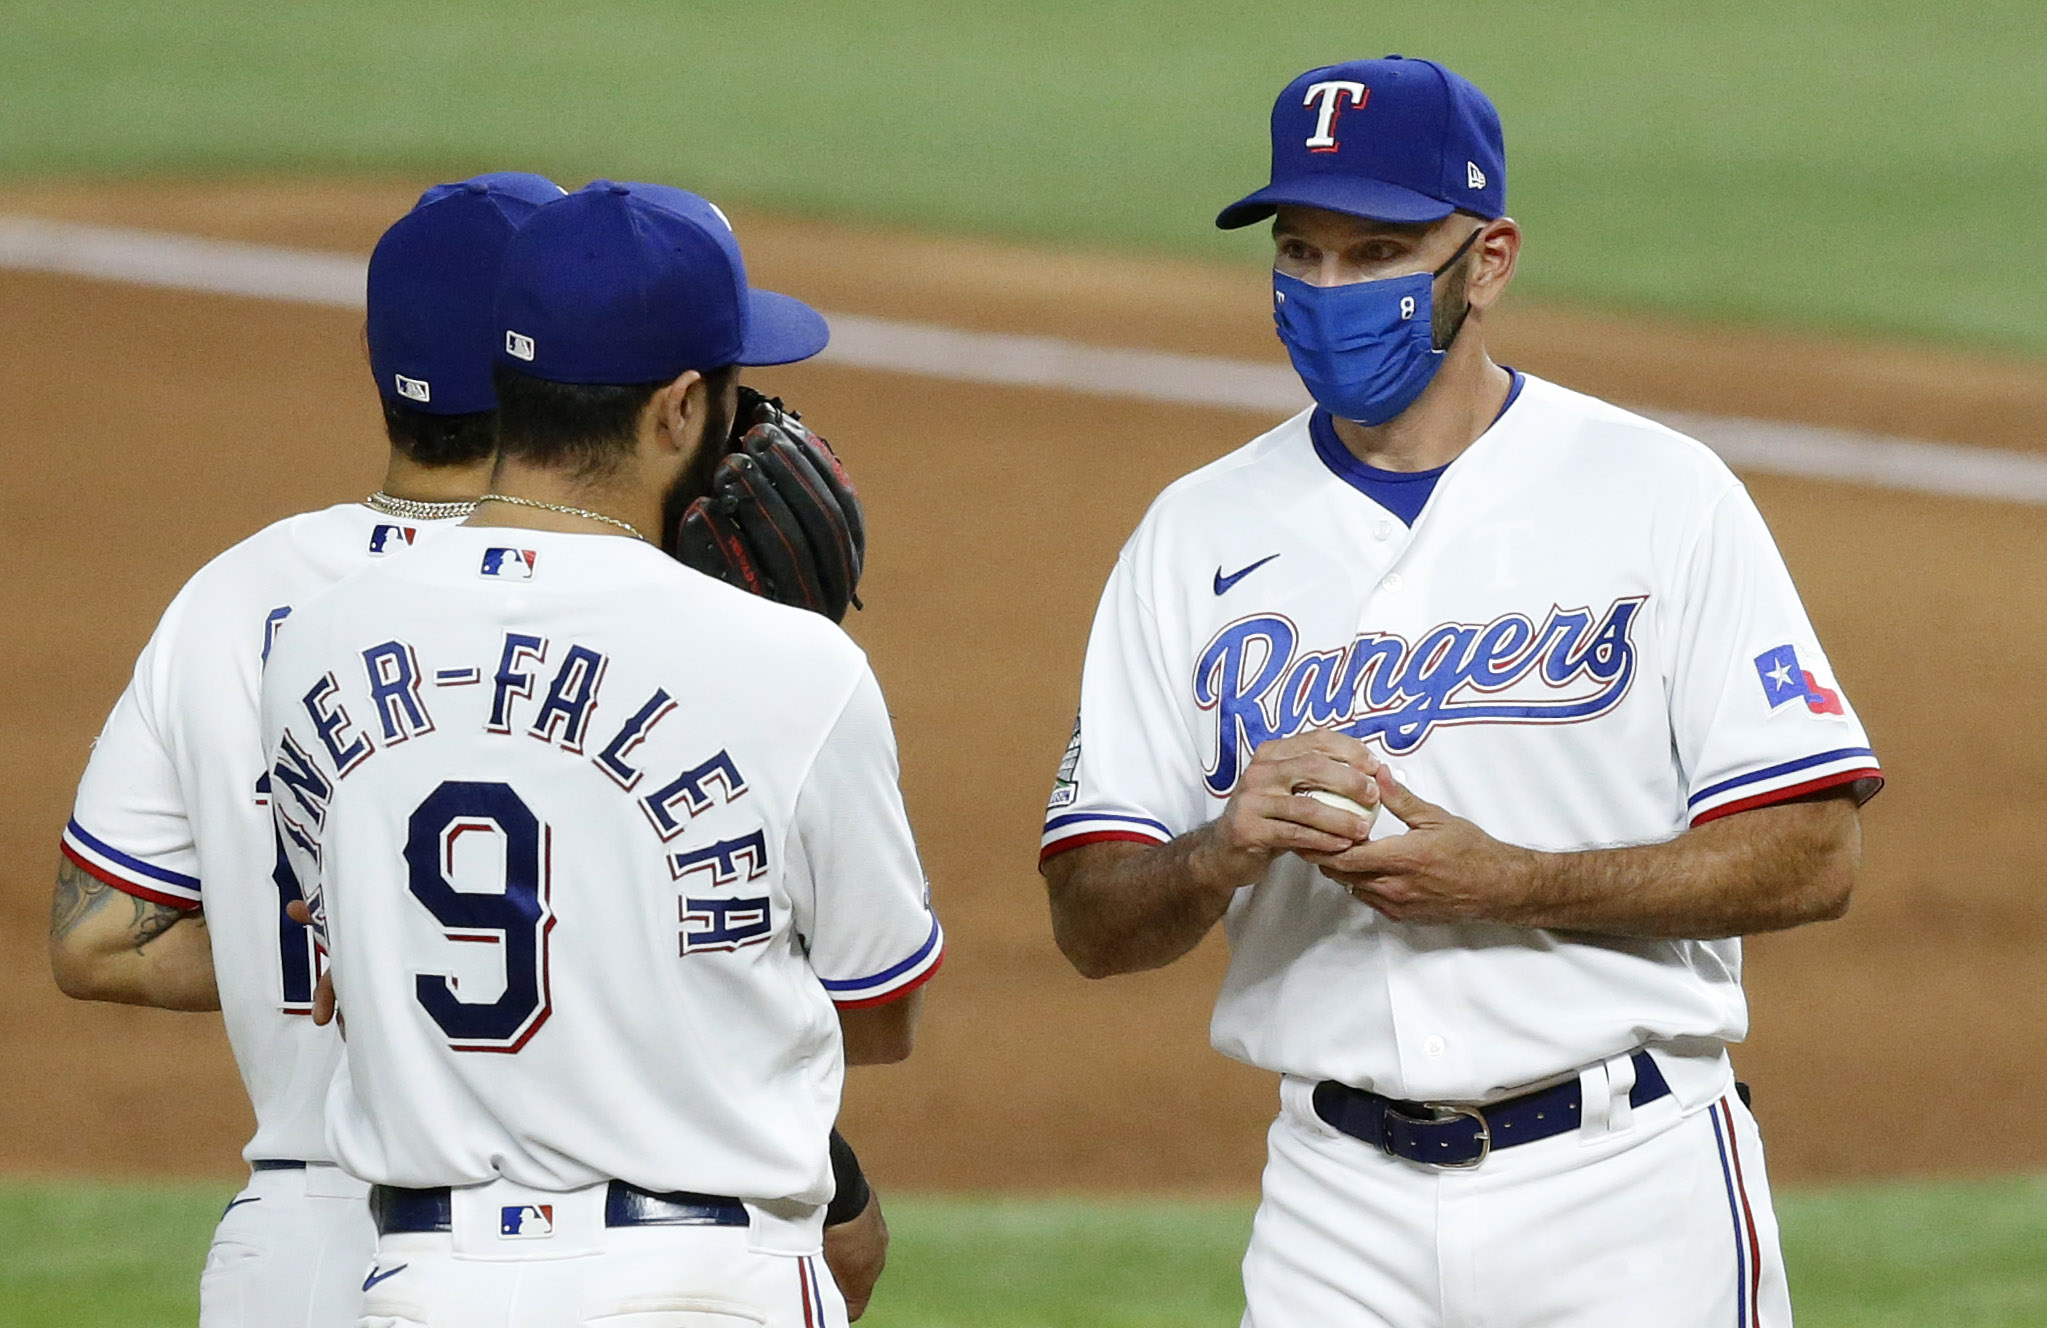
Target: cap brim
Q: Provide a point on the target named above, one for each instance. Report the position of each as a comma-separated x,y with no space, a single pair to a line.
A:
1374,199
781,330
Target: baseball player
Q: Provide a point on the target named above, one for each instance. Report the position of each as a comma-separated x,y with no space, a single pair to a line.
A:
1484,717
168,891
609,855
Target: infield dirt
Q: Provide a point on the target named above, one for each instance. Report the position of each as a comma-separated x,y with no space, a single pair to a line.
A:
150,429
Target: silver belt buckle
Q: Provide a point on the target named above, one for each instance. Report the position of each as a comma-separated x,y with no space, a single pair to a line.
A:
1446,1111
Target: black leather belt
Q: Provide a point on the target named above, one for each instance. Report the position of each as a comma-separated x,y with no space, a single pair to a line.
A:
399,1211
276,1164
1459,1137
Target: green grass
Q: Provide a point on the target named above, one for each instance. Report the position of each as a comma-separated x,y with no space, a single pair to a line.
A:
1958,1254
1872,166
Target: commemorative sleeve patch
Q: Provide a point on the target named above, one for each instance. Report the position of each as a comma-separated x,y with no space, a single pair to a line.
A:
1784,680
1066,787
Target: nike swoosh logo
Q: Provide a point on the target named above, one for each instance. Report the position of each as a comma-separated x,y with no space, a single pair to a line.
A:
1223,583
379,1274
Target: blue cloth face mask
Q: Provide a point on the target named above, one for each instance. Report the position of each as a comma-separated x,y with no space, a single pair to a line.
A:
1366,350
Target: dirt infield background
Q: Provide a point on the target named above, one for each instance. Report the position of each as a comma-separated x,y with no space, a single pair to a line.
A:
147,430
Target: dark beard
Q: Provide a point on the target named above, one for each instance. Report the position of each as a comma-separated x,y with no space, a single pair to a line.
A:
695,480
1447,315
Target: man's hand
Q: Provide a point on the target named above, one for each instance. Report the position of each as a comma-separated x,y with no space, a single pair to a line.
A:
856,1252
1444,869
1269,815
1121,908
323,990
1767,868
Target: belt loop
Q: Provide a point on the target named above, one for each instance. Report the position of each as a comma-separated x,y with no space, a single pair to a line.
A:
1620,1078
1593,1103
1603,1089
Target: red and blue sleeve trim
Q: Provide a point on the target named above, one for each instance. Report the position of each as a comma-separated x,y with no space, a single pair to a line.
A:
128,873
1074,829
1858,765
893,982
1114,818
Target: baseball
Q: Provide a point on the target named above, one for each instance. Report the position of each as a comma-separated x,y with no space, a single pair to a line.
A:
1341,803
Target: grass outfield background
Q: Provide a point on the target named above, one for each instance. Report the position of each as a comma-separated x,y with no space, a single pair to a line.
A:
1864,166
1959,1254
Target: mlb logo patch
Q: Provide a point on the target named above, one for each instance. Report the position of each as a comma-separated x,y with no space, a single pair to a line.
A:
510,564
1784,680
518,345
389,539
414,389
526,1221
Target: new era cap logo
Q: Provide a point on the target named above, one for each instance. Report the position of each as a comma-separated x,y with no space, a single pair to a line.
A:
518,345
1473,176
415,389
526,1221
511,564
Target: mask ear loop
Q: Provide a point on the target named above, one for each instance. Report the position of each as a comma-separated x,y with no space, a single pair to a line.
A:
1460,250
1448,263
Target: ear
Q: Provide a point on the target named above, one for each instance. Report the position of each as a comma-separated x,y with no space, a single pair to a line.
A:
1492,263
679,411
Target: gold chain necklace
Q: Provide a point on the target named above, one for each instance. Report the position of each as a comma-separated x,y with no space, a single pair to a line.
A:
565,510
412,509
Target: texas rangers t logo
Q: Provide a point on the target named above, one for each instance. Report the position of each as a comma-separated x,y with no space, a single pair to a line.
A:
1507,671
1331,96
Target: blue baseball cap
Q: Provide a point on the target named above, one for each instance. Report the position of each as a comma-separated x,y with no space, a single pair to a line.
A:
1392,139
432,279
635,283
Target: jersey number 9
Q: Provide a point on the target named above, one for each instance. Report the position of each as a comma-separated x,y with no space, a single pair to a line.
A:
456,816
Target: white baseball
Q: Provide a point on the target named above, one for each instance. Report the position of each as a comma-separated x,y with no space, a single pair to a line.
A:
1341,803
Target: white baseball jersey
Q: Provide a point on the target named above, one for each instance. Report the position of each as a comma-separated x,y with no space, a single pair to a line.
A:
173,804
598,842
1586,639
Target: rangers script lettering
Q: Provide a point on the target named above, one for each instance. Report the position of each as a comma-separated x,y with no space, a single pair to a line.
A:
1381,686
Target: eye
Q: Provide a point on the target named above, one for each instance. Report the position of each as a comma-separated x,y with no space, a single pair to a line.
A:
1295,251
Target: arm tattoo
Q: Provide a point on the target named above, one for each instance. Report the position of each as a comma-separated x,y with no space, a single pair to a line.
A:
80,893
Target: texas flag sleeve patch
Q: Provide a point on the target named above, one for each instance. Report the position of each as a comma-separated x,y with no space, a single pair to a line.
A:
1784,680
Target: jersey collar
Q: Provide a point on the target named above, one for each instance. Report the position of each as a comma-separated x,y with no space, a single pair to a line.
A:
1342,463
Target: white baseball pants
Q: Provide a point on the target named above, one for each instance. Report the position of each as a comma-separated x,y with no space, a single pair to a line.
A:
582,1274
1657,1218
290,1252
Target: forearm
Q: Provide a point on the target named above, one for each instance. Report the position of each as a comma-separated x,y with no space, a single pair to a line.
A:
110,946
1763,870
882,1034
1124,908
